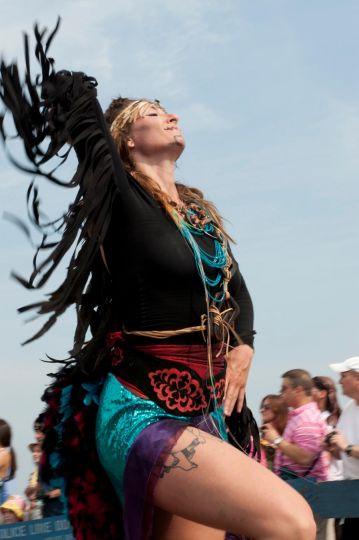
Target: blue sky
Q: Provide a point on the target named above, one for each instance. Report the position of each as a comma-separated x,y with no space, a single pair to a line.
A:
268,97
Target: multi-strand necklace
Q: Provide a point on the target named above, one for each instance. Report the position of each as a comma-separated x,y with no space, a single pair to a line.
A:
196,221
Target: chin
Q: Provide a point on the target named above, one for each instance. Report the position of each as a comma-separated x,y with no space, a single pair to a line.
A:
179,140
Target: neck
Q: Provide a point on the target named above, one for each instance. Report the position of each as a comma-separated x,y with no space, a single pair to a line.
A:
321,405
163,173
303,401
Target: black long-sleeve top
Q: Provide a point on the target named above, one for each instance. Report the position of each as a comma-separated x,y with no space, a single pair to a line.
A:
156,285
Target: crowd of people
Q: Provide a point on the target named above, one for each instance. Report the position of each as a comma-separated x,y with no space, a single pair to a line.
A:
304,434
39,500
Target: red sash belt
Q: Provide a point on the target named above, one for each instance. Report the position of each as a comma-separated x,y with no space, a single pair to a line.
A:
176,377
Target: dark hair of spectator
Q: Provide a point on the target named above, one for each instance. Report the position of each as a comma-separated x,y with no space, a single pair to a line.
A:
300,377
39,422
5,442
279,409
331,400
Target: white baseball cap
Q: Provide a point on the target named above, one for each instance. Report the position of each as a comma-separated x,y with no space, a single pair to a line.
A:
350,364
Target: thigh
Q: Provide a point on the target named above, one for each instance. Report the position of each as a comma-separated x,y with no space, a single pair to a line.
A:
208,481
170,527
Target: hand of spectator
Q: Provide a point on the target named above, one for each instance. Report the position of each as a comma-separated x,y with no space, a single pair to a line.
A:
238,365
338,442
54,493
269,433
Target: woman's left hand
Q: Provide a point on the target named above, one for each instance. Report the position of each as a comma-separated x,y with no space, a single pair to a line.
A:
239,362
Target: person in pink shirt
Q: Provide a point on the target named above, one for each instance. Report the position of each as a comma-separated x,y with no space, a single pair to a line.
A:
299,449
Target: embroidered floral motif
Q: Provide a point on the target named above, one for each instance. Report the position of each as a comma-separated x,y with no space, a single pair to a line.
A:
178,389
217,392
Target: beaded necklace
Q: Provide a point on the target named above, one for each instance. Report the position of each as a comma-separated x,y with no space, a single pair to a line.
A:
196,221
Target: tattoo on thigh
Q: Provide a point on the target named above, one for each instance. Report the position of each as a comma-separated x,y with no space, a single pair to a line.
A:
183,459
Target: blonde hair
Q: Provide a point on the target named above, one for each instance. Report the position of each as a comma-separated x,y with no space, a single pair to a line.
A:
136,109
120,116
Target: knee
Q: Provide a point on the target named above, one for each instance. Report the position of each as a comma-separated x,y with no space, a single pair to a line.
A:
306,530
301,524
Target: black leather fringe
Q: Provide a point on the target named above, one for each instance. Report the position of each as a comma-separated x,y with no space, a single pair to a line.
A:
243,431
53,113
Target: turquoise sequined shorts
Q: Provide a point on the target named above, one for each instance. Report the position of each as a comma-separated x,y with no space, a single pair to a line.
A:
125,438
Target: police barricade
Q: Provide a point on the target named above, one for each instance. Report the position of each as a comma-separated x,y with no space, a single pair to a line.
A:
54,528
336,499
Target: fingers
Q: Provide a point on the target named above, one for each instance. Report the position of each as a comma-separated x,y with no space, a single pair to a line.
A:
226,384
233,396
229,402
240,400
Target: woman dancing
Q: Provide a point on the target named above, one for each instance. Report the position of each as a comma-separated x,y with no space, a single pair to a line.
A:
159,384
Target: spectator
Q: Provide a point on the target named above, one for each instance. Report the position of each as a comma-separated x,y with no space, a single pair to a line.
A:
12,510
325,395
39,428
34,509
299,451
7,460
344,442
274,411
50,498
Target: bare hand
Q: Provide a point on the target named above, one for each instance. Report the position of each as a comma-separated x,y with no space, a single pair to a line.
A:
54,494
238,365
269,433
338,442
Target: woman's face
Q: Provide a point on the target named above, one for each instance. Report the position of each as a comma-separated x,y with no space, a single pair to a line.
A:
8,516
39,436
36,455
266,412
155,133
318,395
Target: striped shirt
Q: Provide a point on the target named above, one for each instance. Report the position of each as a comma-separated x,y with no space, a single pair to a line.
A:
306,429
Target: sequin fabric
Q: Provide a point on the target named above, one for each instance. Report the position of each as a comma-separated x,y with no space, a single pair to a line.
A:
122,416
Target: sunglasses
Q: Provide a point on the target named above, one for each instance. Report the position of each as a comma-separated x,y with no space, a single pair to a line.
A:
265,407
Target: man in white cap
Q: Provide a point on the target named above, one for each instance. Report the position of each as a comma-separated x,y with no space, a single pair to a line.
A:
344,442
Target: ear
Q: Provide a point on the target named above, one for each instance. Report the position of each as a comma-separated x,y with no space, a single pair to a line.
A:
130,142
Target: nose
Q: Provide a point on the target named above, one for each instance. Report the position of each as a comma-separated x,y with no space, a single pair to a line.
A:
172,118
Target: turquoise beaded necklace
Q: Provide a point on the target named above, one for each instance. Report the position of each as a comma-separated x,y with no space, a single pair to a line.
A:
196,221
